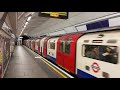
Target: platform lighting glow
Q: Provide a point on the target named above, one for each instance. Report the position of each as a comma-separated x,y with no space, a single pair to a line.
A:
29,18
22,31
25,26
26,23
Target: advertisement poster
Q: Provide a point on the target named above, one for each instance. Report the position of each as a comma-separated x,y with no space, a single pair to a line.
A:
6,52
1,59
1,55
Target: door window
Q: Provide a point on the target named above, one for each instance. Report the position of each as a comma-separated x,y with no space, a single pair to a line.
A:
62,49
67,45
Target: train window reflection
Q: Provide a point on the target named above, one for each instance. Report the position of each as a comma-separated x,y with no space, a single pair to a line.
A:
52,45
61,46
101,52
67,46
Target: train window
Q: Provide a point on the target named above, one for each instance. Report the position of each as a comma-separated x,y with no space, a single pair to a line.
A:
52,45
101,52
67,46
62,45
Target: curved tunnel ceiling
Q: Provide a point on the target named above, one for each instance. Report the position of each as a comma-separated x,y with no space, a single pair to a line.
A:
38,25
41,25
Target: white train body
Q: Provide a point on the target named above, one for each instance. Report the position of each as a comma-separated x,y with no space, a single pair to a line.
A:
100,66
51,48
36,45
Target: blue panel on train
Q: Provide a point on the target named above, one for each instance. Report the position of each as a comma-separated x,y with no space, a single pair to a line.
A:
100,24
51,58
83,74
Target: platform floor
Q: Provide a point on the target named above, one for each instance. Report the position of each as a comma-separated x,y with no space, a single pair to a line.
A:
24,65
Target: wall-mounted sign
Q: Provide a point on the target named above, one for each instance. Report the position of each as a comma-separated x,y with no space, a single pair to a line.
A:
60,15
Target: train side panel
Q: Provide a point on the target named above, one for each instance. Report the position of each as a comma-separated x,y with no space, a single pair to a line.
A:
98,55
52,49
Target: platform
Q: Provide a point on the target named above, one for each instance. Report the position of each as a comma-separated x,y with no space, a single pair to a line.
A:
24,65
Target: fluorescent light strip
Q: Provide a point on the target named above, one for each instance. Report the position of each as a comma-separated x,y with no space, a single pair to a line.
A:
26,24
29,18
22,31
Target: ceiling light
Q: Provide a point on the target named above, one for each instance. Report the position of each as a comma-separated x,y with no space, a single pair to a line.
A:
24,26
20,37
29,18
26,23
22,31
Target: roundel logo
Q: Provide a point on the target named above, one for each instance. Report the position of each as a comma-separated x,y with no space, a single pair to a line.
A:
95,67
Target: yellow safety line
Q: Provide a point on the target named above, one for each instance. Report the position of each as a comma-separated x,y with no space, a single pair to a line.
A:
55,69
48,64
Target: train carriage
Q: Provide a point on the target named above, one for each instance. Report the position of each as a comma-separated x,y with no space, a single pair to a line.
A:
52,49
98,55
66,51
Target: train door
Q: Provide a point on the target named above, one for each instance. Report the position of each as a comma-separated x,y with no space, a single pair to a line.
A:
34,45
68,52
30,43
42,44
41,51
60,50
45,47
39,46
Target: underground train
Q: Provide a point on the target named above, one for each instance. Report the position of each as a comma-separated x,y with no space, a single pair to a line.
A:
87,55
